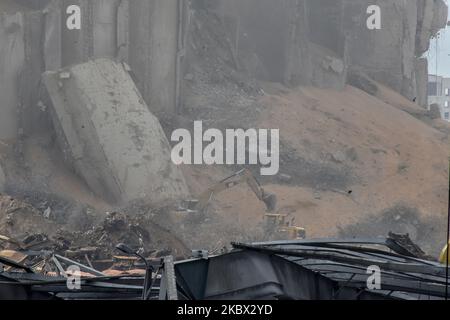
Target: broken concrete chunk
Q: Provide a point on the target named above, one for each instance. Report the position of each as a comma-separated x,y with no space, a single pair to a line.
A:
47,213
335,64
64,75
109,135
327,71
338,157
285,177
361,81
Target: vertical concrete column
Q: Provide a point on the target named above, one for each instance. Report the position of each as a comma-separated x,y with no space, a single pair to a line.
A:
422,82
298,63
52,36
77,45
30,77
123,32
21,65
153,51
12,53
105,27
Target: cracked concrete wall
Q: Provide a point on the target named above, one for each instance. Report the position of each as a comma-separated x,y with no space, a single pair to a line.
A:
328,36
262,35
142,32
386,55
391,55
21,33
76,45
298,66
34,38
297,42
260,30
109,135
98,34
105,15
326,19
53,37
431,17
31,116
328,43
422,82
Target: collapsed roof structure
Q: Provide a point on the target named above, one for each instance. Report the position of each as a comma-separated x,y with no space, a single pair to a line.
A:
323,269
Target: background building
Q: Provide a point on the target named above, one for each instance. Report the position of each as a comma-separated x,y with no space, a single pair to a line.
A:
439,93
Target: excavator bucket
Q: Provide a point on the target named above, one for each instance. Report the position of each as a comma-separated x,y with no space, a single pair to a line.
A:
270,200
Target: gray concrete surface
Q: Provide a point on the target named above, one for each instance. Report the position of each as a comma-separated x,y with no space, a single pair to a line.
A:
390,55
109,135
21,65
270,38
305,35
153,32
422,82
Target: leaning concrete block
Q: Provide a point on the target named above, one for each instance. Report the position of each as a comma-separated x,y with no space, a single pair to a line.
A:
109,135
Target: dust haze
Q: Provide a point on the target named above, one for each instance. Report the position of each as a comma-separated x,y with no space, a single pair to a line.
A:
86,117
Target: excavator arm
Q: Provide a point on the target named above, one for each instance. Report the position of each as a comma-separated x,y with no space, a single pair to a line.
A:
242,176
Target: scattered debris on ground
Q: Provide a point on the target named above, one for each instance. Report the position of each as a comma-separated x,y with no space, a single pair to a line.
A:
34,231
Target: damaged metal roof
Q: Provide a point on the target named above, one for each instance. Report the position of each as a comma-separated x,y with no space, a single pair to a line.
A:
326,269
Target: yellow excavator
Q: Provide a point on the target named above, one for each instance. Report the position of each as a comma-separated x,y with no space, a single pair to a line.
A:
279,228
276,224
242,176
444,256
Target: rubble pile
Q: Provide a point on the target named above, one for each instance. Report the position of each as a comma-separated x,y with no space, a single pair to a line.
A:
24,228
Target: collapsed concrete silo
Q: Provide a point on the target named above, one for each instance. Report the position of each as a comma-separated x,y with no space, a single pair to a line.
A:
109,135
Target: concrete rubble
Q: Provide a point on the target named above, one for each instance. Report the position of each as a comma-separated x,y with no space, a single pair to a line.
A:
11,64
109,135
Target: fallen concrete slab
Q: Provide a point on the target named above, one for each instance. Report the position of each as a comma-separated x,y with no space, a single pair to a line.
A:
109,135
